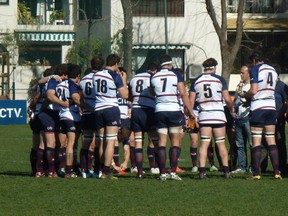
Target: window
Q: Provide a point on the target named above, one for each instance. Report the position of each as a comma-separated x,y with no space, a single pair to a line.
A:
92,9
175,8
4,2
274,46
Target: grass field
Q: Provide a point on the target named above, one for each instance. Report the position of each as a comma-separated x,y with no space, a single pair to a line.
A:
21,194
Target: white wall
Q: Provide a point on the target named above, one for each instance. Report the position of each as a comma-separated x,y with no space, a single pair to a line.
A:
8,16
195,28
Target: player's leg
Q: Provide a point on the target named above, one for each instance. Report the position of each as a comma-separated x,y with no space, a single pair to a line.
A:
205,138
40,156
174,152
70,154
219,135
110,139
62,153
193,150
272,148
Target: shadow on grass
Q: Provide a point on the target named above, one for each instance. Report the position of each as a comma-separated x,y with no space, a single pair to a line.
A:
15,173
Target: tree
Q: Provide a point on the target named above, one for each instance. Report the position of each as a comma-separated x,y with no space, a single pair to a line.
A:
228,51
127,34
90,21
79,52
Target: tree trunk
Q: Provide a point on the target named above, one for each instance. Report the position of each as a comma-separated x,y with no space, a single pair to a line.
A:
127,35
228,52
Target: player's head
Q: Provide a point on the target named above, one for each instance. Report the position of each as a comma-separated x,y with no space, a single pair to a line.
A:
61,69
210,64
166,61
97,63
74,71
256,57
152,67
48,72
112,60
124,133
122,70
87,71
244,73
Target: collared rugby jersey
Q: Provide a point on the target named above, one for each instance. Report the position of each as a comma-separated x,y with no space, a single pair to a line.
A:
266,77
86,86
208,89
140,90
165,84
105,85
64,91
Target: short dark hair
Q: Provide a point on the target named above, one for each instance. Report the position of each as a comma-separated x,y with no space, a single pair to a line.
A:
48,72
121,69
209,63
125,132
97,62
112,59
165,59
257,56
74,71
152,66
61,69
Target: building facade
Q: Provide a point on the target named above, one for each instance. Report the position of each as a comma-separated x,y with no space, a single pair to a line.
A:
44,30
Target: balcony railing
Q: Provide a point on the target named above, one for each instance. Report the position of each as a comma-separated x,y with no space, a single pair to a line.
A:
258,6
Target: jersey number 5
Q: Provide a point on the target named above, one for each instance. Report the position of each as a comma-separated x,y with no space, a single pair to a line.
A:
207,90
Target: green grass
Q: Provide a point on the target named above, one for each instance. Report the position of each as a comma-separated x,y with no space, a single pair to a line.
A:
21,194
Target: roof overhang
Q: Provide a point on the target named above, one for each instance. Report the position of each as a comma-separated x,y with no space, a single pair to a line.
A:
47,37
161,46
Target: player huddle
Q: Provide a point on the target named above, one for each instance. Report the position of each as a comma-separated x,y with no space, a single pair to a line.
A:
103,110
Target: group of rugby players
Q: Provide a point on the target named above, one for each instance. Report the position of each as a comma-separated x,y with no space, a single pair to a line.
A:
96,106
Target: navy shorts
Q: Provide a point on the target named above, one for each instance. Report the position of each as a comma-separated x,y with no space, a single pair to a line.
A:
69,126
50,120
142,119
107,117
262,117
168,119
212,125
88,122
36,125
125,123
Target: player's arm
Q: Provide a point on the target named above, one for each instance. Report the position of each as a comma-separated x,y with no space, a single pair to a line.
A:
185,98
44,80
123,91
228,102
34,101
51,95
252,91
77,99
124,165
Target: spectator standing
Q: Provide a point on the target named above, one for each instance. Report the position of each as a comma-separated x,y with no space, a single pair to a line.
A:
242,126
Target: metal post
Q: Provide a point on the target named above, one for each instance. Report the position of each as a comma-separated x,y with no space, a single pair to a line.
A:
13,83
166,26
13,90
